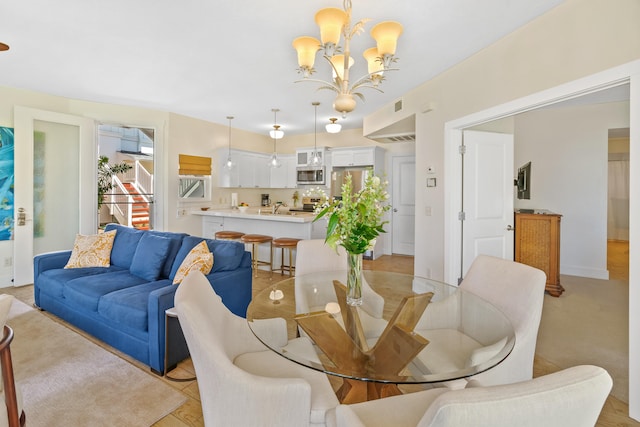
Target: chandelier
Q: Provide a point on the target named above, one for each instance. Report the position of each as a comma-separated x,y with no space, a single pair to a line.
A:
333,23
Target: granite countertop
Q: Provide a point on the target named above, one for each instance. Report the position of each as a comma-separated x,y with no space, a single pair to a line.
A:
258,214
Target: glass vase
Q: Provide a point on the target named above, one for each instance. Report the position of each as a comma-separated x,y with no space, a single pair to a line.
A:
354,279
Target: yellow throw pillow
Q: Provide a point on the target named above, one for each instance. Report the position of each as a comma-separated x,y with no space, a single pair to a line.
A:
199,258
92,251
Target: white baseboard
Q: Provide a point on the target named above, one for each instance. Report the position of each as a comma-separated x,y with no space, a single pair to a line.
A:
593,273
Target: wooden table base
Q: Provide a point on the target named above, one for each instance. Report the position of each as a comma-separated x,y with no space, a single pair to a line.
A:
347,348
355,391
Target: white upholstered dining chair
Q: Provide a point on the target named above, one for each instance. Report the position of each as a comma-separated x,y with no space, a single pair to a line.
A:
569,398
241,382
518,291
515,289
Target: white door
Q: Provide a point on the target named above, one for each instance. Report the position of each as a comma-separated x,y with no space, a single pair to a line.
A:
55,184
404,205
487,196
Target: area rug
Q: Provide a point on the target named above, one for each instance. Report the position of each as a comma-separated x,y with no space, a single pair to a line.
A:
67,380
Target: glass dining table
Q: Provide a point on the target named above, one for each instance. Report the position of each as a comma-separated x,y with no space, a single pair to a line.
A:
409,330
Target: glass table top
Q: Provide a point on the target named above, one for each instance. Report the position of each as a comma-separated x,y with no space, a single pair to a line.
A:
398,336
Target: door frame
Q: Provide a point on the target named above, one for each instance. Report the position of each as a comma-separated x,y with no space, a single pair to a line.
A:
24,118
623,74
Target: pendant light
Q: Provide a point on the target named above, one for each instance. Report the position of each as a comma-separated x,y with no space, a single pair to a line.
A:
316,160
333,127
275,134
229,163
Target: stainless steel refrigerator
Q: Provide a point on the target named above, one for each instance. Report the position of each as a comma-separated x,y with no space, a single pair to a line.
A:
358,177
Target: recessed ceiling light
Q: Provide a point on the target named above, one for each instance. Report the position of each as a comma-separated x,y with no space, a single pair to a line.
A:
4,46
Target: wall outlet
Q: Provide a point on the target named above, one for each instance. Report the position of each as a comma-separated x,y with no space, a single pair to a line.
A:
8,261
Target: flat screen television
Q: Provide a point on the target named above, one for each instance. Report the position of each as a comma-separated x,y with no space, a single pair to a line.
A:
523,181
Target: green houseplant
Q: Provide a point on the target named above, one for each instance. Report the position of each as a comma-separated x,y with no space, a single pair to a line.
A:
105,174
354,223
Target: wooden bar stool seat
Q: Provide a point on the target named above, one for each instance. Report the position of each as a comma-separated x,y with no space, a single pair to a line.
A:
255,240
288,243
228,235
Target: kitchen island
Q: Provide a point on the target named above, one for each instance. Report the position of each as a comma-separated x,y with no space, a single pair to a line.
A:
297,225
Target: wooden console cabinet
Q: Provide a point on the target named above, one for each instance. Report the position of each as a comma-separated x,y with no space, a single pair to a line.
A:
537,243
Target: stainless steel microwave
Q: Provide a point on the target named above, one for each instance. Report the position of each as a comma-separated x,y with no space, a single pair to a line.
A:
310,175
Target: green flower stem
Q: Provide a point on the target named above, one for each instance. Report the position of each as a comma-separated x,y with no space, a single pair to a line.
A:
354,279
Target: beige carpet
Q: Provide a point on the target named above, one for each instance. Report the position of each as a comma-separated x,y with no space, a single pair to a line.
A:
588,324
66,380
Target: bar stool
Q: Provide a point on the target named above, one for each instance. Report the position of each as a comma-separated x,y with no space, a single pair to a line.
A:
255,240
288,243
228,235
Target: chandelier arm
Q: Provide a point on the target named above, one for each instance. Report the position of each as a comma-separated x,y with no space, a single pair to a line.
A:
368,77
366,86
327,84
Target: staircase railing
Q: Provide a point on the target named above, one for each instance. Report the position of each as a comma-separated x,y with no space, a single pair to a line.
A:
121,202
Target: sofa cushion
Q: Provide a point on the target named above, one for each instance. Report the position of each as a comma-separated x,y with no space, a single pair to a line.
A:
130,306
85,292
52,282
227,254
92,250
198,259
124,245
174,246
150,256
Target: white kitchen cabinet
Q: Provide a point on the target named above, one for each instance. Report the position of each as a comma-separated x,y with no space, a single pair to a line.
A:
227,178
211,225
246,168
292,180
304,156
285,175
355,156
253,171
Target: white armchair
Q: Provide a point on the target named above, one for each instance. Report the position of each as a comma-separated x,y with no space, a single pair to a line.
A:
518,291
241,382
570,398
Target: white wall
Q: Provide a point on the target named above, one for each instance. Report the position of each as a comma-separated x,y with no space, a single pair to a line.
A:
573,40
567,148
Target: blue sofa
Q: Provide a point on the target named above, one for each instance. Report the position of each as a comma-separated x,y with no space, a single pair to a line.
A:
124,304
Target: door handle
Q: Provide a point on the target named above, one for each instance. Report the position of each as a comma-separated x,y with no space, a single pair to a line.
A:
395,210
22,217
510,228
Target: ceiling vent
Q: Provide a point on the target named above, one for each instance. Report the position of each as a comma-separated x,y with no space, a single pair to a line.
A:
399,137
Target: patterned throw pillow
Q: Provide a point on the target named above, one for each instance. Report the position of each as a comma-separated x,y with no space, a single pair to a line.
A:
92,251
199,258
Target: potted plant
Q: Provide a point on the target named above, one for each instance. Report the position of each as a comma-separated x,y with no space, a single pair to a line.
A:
105,174
354,223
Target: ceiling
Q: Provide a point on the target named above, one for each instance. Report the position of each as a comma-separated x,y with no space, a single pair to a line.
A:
211,59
